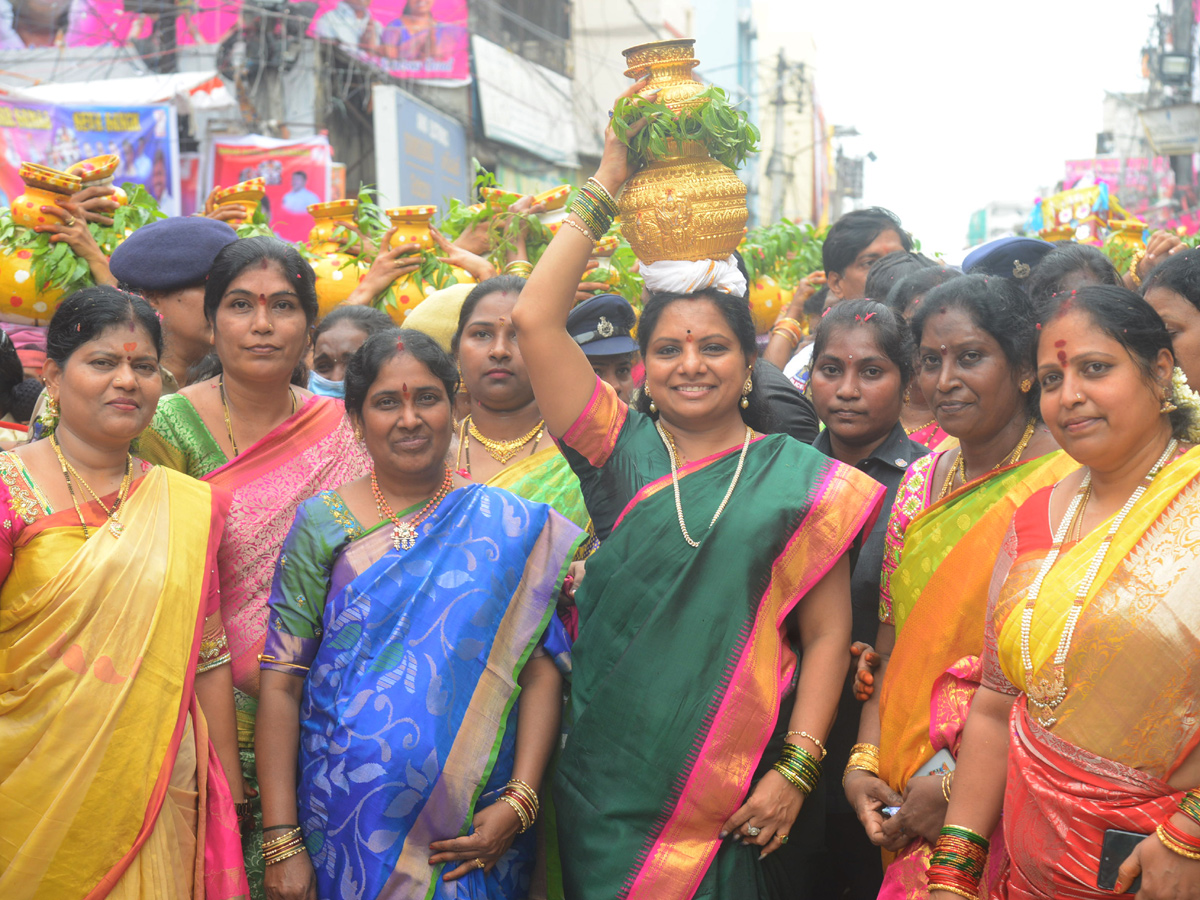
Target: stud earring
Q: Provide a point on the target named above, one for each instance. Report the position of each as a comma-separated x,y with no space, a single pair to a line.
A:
1026,385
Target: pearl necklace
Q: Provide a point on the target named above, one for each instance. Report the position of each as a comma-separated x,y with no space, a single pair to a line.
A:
1048,693
670,445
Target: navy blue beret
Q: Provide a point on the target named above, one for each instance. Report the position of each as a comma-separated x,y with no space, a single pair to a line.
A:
170,254
601,325
1009,257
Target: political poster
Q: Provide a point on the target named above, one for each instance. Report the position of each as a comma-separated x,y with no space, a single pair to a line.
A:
144,138
297,173
424,39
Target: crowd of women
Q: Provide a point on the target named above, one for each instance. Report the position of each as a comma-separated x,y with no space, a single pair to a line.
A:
475,617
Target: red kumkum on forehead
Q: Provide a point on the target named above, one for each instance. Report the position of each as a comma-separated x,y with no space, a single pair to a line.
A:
1062,354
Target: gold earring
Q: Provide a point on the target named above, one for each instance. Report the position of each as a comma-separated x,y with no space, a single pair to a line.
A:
1168,405
907,395
1026,385
51,410
746,389
646,390
358,435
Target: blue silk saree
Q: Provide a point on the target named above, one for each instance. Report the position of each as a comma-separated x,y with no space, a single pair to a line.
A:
409,711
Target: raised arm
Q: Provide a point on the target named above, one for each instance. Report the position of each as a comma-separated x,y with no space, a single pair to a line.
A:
562,377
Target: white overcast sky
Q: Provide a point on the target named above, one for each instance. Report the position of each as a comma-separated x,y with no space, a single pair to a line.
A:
965,101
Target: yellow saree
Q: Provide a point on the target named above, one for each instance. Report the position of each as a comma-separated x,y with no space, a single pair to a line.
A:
99,729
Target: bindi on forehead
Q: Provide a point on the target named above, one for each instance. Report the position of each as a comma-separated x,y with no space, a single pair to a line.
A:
1062,353
689,337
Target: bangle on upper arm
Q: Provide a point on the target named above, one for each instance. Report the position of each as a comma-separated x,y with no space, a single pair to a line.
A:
267,658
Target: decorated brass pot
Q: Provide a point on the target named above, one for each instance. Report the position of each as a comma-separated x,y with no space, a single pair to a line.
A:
669,65
43,187
412,225
684,207
98,171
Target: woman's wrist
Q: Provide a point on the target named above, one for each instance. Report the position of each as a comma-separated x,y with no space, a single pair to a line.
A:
608,181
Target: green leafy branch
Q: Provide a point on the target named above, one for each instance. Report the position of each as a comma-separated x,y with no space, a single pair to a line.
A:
724,130
620,273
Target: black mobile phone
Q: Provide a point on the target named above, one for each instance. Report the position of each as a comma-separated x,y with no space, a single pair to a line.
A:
1115,850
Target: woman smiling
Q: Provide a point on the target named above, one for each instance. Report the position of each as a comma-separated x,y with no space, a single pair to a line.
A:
253,433
409,609
951,511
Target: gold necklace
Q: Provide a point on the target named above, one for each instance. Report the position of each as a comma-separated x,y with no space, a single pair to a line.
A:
960,468
911,431
670,445
114,523
1047,694
225,408
503,451
404,534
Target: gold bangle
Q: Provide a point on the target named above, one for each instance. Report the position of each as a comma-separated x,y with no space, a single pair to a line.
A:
207,665
521,815
946,779
603,192
865,748
282,839
282,856
1174,846
580,229
951,889
519,267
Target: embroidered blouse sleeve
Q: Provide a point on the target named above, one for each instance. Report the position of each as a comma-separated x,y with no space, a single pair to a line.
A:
299,589
11,524
909,500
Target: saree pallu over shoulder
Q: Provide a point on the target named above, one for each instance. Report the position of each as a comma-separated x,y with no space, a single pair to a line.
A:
546,477
1133,669
939,601
680,665
311,451
408,715
96,682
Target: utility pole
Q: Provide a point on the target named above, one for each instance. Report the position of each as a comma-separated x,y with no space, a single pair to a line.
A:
1181,41
776,167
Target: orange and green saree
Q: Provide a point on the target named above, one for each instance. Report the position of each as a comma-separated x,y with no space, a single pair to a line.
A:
934,590
108,783
1131,715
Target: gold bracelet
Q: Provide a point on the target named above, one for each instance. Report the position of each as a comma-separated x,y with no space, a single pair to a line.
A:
946,779
282,839
580,229
870,749
807,736
1136,261
207,665
519,267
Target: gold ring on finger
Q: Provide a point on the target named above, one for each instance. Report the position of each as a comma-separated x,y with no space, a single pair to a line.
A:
69,222
781,837
480,863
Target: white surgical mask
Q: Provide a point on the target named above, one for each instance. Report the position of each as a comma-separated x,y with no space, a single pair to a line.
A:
323,387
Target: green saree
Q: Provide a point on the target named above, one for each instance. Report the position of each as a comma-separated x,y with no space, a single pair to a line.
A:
682,660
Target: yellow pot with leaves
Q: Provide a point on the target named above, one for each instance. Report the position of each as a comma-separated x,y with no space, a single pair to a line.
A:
766,301
247,194
327,217
43,187
412,225
20,301
98,171
407,293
